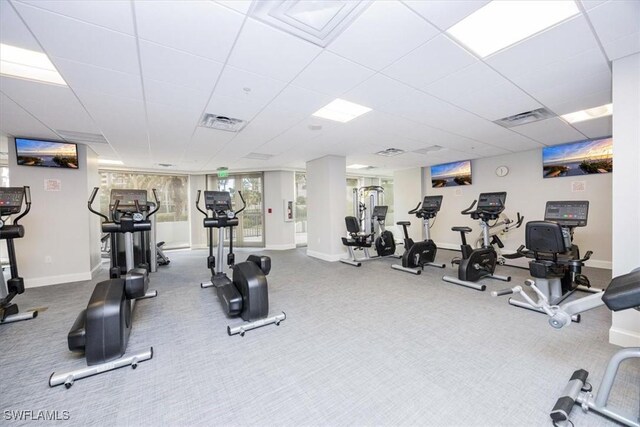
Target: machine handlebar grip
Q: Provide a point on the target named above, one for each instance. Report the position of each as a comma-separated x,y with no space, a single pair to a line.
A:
414,210
244,204
94,192
155,196
466,211
502,292
27,194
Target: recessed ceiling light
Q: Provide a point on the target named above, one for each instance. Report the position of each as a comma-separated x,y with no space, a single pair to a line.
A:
28,64
110,162
502,23
357,166
341,111
591,113
390,152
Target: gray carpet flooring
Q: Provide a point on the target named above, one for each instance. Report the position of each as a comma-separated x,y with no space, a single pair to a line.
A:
360,346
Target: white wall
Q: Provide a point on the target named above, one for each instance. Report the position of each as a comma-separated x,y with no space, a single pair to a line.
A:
625,329
407,192
58,227
198,233
278,187
326,206
527,193
93,180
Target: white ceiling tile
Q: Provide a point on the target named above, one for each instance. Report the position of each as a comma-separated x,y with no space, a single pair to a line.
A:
241,6
233,82
590,4
13,31
299,102
430,62
87,77
557,43
445,13
469,79
113,14
596,128
617,24
188,100
550,131
384,32
178,68
332,75
54,105
580,102
238,108
202,28
571,96
206,142
270,52
72,39
104,151
377,91
15,121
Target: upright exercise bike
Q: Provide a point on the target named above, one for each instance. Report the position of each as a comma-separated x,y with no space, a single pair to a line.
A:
101,331
417,255
246,294
11,199
479,263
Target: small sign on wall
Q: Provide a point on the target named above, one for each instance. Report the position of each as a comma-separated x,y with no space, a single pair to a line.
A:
458,192
288,211
52,185
578,186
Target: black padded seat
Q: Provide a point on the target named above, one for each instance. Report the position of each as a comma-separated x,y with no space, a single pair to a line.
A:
403,223
462,229
623,292
356,243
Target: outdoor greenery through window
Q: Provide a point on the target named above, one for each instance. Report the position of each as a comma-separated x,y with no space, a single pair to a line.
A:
301,207
172,220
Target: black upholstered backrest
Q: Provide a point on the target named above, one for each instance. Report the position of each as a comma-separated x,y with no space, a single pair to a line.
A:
353,226
544,236
623,292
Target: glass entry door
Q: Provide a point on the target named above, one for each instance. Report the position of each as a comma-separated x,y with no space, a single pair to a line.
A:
250,230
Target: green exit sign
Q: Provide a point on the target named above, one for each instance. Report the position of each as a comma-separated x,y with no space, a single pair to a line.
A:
223,173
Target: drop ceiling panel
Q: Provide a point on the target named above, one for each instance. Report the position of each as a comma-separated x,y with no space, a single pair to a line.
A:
581,102
384,33
187,100
72,39
178,68
87,77
555,44
236,108
469,79
169,127
241,6
202,28
299,102
569,98
596,128
430,62
104,151
549,132
270,52
377,91
590,4
56,106
445,13
13,31
113,14
16,121
497,136
234,82
332,75
617,24
207,142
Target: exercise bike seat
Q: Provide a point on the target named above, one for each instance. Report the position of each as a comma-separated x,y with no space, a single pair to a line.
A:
462,229
623,292
403,223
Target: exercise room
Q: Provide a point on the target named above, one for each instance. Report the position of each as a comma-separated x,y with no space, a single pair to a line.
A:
320,213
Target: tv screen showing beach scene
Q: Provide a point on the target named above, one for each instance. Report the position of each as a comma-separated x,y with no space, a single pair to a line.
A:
578,158
451,174
35,152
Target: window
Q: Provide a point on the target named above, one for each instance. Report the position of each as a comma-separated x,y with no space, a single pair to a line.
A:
4,176
172,220
300,194
250,230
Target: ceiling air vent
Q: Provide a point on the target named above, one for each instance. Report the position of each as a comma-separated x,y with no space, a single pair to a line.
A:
318,22
390,152
73,136
428,150
229,124
166,165
258,156
524,118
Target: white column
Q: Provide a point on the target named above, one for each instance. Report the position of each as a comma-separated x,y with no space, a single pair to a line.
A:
198,233
625,330
326,207
407,192
280,233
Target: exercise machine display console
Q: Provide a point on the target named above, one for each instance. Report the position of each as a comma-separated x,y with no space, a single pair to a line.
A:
490,201
129,200
218,201
567,213
11,200
432,203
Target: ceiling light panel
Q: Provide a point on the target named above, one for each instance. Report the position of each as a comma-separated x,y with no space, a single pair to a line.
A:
589,114
110,162
500,24
341,111
318,22
357,166
28,64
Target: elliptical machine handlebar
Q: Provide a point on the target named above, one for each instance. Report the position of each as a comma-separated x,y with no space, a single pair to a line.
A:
206,215
244,205
27,202
155,196
90,204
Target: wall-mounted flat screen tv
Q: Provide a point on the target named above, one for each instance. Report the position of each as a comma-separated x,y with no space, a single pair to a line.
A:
451,174
51,154
578,158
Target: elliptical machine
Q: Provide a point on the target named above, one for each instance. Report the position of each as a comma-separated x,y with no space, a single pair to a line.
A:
247,294
480,263
102,330
417,255
11,199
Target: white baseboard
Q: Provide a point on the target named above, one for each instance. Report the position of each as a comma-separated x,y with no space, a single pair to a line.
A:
202,246
325,257
284,247
95,269
56,280
523,262
624,337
